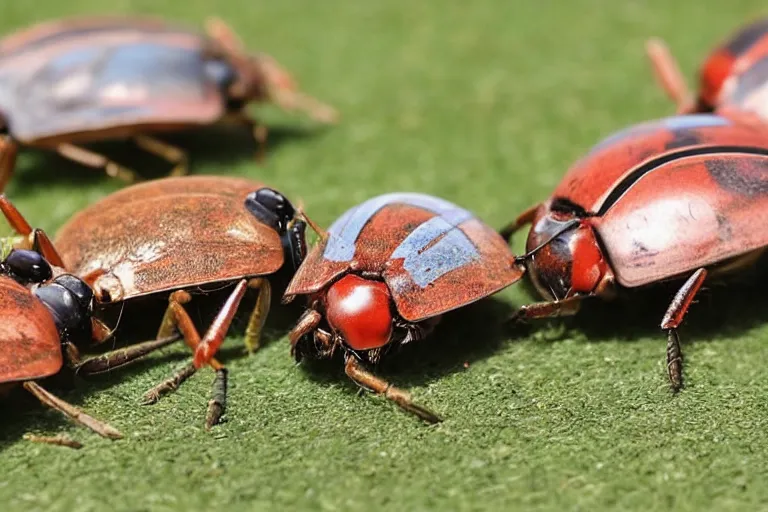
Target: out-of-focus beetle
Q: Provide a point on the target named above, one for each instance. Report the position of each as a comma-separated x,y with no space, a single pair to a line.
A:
677,198
734,77
179,235
384,273
70,82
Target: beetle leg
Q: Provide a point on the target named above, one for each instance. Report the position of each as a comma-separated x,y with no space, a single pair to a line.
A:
308,322
672,320
57,440
14,217
369,381
259,315
96,161
177,317
37,239
7,160
258,130
669,76
71,411
565,307
214,336
218,402
116,359
523,219
175,156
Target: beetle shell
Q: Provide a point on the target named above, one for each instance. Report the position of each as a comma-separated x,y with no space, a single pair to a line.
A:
433,255
674,195
30,347
734,56
92,78
747,88
169,234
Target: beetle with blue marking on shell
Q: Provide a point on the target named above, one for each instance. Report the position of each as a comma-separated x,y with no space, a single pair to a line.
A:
680,198
384,273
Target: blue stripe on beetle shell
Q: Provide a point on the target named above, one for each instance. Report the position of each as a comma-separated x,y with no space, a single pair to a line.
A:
422,262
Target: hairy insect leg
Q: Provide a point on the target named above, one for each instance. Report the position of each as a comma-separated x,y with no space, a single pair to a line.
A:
214,336
558,308
71,411
94,160
173,155
120,358
259,315
669,76
8,150
672,320
307,323
369,381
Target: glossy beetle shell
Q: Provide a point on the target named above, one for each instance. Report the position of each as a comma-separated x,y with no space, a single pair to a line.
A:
92,78
30,347
741,51
433,255
169,234
674,195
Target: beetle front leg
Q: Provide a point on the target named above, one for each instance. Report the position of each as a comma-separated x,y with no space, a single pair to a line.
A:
307,323
175,156
523,219
116,359
8,150
259,315
214,336
669,76
94,160
672,320
554,309
35,239
369,381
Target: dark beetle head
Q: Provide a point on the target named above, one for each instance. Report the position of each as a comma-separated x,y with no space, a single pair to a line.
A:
564,257
273,209
26,267
70,302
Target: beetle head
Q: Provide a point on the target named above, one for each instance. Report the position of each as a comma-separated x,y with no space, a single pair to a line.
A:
26,267
564,258
70,301
273,209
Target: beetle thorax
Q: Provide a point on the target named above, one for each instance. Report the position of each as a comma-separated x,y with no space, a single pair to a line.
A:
360,311
568,262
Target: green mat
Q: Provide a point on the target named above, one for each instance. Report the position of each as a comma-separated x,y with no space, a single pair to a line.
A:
484,103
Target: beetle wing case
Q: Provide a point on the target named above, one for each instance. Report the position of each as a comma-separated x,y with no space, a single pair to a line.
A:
80,76
169,234
30,347
433,255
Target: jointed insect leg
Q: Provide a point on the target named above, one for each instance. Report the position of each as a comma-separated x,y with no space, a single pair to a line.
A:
34,239
565,307
71,411
369,381
176,156
669,76
96,161
672,320
260,311
119,358
7,160
523,219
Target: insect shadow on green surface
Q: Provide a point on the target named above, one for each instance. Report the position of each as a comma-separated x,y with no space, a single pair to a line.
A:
216,146
466,335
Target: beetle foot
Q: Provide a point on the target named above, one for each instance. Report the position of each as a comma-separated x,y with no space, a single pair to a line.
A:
404,401
218,402
674,361
168,385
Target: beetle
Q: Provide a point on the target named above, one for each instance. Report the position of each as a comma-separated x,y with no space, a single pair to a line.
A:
383,275
67,83
677,199
176,235
734,76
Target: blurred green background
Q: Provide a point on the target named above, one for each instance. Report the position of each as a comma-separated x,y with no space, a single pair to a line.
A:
485,103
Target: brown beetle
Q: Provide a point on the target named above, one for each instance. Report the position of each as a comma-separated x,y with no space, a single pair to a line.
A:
75,81
175,235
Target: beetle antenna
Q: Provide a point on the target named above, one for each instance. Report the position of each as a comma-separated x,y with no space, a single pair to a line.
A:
323,234
567,227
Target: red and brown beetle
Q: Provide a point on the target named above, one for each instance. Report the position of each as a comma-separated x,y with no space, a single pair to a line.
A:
178,235
734,76
70,82
677,198
382,276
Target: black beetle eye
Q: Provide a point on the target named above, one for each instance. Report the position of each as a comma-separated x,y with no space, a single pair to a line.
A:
28,266
271,208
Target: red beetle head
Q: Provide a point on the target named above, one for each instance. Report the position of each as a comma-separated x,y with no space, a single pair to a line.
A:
564,257
360,310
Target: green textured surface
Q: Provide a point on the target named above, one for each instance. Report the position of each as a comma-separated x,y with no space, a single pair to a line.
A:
484,103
